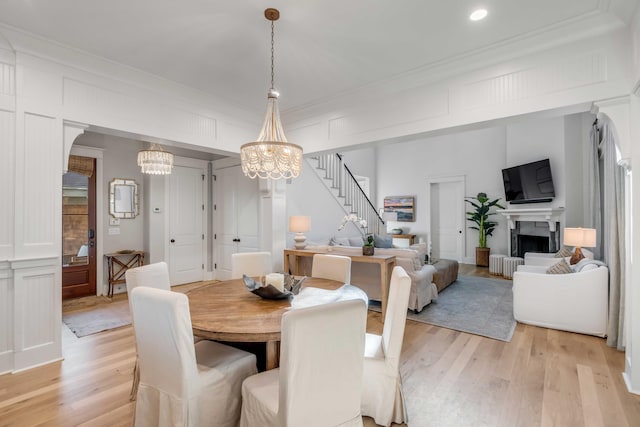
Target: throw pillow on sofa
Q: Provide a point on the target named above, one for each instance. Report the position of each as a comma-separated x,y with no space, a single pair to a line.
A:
382,241
356,241
560,268
564,253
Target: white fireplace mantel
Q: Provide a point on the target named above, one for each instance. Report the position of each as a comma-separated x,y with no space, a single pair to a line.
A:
549,215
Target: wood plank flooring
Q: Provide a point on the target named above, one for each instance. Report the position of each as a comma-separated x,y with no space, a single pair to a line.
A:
542,377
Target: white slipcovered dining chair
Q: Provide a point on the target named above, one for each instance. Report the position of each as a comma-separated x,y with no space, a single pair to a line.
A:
252,264
382,397
182,384
320,376
156,276
332,267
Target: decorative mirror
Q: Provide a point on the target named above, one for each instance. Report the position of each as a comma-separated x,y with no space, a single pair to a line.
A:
124,199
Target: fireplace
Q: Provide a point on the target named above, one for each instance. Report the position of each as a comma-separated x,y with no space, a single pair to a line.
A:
530,236
533,230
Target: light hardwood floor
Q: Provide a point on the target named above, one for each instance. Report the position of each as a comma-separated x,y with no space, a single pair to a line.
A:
542,377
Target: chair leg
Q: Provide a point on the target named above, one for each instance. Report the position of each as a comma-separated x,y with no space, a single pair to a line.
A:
136,381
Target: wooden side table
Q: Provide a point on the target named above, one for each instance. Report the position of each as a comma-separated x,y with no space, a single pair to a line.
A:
118,263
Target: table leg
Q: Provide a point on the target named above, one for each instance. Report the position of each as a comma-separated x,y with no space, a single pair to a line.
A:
273,354
384,284
286,264
385,280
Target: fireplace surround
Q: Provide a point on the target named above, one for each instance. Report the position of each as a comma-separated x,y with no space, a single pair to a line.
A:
533,230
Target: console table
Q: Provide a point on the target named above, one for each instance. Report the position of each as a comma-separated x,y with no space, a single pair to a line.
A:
118,263
386,263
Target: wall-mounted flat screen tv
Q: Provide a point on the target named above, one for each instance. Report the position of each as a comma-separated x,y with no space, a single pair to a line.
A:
528,183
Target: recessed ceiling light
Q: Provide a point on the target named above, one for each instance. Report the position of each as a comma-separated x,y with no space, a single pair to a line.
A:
479,14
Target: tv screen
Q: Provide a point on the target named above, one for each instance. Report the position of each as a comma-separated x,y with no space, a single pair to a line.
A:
529,183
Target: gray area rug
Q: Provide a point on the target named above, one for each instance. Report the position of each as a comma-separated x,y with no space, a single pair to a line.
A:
475,305
98,319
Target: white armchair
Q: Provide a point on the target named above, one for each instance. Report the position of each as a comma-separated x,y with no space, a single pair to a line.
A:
575,302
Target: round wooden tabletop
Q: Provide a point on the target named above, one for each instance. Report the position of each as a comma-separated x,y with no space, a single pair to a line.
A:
227,311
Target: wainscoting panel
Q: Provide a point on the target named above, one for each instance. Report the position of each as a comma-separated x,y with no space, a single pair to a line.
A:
7,79
7,159
6,318
42,164
576,71
38,312
112,109
7,86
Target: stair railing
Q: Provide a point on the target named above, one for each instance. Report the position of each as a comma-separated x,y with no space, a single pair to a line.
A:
348,188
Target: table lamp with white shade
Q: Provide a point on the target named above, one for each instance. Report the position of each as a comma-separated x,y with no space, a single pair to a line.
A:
580,238
299,225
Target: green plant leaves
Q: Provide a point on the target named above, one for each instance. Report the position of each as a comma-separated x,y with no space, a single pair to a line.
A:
480,216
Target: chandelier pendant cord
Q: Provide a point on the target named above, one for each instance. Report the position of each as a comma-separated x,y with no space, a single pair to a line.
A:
272,58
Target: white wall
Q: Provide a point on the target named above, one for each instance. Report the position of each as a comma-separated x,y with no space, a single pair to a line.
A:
307,195
635,46
479,155
363,162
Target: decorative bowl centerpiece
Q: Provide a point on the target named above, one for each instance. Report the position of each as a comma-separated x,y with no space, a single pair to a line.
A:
265,289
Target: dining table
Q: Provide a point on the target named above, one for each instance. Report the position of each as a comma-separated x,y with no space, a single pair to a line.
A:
228,311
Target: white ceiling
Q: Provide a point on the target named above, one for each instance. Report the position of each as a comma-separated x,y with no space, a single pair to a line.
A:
324,48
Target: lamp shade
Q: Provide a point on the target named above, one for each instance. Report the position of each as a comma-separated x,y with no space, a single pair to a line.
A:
580,237
299,224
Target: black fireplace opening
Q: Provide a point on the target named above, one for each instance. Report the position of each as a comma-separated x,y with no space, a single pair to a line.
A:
528,243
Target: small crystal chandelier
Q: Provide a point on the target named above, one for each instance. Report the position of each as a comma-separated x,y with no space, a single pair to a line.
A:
155,161
271,156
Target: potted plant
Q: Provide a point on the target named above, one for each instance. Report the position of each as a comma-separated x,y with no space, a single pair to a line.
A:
367,248
480,217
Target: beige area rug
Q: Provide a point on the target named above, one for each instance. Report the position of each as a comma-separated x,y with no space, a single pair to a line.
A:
111,315
101,318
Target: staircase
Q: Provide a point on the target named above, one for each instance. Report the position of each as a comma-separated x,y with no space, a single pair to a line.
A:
346,190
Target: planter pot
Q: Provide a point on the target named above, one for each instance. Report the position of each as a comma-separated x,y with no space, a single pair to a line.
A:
367,250
482,257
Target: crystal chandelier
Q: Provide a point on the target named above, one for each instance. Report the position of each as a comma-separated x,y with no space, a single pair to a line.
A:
271,156
155,161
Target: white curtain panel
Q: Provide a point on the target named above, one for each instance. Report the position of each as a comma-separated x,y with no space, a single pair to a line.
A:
593,211
613,233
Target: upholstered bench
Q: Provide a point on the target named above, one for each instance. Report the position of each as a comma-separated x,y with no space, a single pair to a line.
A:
446,273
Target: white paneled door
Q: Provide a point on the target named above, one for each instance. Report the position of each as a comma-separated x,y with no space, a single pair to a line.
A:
447,218
236,217
186,225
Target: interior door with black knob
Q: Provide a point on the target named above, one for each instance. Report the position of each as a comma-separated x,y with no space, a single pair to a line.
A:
78,229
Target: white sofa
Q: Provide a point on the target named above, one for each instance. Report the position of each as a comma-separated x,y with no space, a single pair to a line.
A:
575,302
367,276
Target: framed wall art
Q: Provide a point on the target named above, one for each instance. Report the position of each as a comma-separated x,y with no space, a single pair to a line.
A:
403,206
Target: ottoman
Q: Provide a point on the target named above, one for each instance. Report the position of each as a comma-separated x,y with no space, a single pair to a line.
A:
495,264
510,265
446,273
